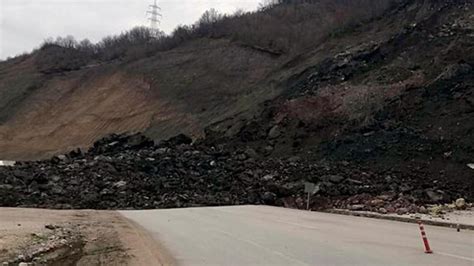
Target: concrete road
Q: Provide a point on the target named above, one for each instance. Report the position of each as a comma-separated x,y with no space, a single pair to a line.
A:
259,235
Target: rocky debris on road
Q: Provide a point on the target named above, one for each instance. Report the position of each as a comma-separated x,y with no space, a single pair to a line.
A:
126,172
455,219
399,204
362,123
440,210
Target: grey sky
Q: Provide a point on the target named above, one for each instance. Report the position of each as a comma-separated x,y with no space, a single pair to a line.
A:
24,24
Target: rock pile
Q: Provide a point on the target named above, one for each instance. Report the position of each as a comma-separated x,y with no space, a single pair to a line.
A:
122,172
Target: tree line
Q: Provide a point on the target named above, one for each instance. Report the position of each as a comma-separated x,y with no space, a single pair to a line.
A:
287,26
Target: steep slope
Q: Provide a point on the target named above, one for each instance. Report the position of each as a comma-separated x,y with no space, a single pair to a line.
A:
400,104
182,90
56,99
355,77
347,81
378,114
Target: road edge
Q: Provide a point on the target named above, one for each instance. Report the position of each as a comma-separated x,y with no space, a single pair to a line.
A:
399,219
155,254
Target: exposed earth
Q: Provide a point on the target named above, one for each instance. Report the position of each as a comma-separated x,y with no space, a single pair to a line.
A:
378,114
375,107
46,237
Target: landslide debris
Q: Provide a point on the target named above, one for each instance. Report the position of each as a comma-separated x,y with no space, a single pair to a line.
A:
122,172
379,116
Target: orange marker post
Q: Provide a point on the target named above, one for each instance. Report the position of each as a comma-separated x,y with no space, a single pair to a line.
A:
425,239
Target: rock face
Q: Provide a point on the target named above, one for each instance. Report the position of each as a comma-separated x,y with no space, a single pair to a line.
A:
132,172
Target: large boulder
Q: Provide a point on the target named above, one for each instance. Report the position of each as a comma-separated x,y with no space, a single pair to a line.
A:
460,204
435,196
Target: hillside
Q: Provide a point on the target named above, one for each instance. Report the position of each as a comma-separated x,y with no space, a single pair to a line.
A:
382,90
210,75
177,91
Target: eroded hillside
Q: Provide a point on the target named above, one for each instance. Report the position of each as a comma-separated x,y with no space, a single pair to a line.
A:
380,110
182,90
55,100
397,65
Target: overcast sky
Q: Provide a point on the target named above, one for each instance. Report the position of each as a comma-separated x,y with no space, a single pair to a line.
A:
24,24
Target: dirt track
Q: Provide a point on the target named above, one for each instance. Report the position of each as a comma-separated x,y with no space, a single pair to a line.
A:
73,238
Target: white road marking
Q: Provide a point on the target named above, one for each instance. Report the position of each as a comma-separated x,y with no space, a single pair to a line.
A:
454,256
262,247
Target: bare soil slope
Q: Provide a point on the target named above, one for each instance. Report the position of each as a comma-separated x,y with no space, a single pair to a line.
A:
182,90
393,93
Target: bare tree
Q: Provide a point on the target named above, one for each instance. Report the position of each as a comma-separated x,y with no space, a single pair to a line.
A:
276,28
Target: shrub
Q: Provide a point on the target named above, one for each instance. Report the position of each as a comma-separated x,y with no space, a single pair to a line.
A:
284,26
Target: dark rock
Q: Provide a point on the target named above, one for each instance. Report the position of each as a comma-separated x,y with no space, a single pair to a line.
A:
5,187
120,184
51,227
274,132
377,203
354,182
241,157
253,198
335,178
435,196
357,207
294,159
455,70
268,150
267,177
269,198
58,190
140,141
251,153
413,208
405,188
123,172
423,210
402,211
75,154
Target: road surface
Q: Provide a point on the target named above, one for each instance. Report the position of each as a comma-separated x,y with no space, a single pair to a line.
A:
260,235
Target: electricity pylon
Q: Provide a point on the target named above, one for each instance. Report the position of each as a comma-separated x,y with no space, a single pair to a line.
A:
154,16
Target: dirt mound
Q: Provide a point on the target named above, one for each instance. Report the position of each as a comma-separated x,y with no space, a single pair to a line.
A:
122,172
